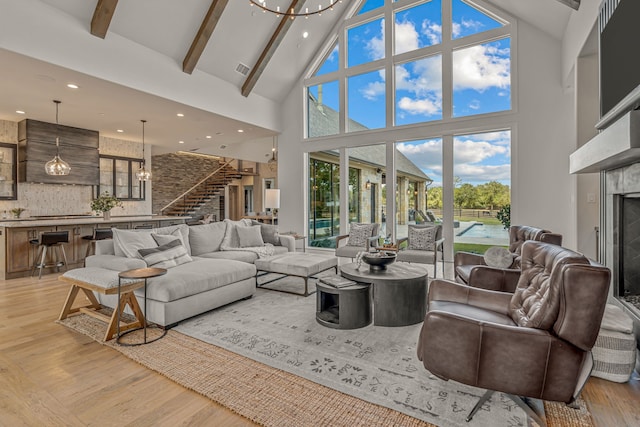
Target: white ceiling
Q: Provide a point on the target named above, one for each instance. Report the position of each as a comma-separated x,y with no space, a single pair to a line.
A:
168,27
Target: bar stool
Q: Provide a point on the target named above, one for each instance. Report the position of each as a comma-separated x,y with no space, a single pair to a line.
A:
54,240
98,234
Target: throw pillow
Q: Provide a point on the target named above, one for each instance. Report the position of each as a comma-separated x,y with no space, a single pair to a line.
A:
163,239
422,238
180,230
499,257
165,256
269,233
250,237
359,234
127,242
231,235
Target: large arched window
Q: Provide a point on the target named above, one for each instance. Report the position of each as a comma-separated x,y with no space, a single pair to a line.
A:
431,82
441,60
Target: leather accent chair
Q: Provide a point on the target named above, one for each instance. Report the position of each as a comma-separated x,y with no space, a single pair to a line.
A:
409,253
346,248
534,343
471,269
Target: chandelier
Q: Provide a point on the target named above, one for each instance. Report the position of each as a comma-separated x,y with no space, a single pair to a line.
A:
290,11
57,166
143,174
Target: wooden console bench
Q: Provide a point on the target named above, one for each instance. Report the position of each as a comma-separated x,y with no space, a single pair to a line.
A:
103,281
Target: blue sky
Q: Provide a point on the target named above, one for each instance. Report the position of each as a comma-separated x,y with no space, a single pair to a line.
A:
481,84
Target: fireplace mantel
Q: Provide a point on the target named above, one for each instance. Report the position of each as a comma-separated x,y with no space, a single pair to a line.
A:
616,146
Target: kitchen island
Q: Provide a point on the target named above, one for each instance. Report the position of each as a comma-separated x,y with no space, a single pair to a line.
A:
17,253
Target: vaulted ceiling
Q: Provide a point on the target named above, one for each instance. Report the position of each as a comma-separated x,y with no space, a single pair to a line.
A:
153,59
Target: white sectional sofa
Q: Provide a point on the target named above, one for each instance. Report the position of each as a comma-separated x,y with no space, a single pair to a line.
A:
217,269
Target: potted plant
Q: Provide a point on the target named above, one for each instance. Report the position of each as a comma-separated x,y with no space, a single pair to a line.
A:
104,203
17,212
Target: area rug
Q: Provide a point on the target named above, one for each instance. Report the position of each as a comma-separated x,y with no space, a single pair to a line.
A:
279,394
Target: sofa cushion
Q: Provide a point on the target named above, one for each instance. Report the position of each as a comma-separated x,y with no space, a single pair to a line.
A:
127,242
249,237
206,238
168,255
196,277
244,256
180,230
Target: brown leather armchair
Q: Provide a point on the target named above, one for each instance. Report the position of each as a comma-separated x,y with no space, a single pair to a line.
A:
534,343
471,269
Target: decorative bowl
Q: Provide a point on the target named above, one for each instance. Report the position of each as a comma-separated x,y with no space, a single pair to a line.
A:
379,260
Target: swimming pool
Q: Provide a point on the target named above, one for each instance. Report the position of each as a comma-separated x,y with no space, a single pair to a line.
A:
485,231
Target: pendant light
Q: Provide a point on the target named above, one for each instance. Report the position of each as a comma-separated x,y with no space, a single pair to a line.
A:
143,174
273,162
57,166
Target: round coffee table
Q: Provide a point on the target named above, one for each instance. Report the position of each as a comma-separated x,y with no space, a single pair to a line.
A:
399,292
139,274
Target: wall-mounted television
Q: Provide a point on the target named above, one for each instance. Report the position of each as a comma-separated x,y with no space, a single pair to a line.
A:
619,26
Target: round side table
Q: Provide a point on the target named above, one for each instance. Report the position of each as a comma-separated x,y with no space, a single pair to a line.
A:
139,274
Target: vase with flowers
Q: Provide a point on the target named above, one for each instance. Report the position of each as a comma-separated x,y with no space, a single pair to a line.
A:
104,203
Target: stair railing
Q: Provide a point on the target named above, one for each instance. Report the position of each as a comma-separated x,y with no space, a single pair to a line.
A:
195,186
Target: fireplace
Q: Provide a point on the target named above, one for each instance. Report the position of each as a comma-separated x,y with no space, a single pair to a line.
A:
628,256
615,154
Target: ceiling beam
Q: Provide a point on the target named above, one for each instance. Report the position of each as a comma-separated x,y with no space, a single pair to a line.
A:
102,17
204,34
574,4
270,49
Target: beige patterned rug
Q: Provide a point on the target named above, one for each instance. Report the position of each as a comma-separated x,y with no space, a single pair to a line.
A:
273,397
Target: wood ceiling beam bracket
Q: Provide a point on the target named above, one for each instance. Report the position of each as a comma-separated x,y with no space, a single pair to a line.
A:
102,17
270,49
204,34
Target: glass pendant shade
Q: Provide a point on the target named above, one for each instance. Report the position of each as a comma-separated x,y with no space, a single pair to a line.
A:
143,174
57,166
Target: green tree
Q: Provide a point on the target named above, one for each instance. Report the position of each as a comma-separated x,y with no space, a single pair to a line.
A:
466,196
493,194
435,198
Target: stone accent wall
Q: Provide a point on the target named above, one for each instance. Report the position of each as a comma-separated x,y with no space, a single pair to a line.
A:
175,173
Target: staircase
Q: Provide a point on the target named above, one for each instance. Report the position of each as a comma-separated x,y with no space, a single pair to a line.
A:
204,191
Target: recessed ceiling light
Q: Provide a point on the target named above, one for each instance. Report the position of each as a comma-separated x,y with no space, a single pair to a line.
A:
305,34
223,146
240,130
219,133
72,86
180,115
19,111
180,142
120,131
208,136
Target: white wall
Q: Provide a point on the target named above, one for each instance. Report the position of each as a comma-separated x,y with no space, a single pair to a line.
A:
588,185
543,137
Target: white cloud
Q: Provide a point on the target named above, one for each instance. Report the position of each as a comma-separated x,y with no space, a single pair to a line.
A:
433,31
375,46
373,90
474,105
482,173
406,37
481,67
420,106
470,151
456,29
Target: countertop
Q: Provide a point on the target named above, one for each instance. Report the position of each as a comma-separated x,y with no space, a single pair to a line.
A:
67,220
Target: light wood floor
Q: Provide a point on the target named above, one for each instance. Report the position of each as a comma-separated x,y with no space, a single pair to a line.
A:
52,376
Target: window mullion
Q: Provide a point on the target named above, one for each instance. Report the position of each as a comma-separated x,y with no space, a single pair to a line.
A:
447,61
342,81
389,76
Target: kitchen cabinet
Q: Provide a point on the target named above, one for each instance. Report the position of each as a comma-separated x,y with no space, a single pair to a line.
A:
8,171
